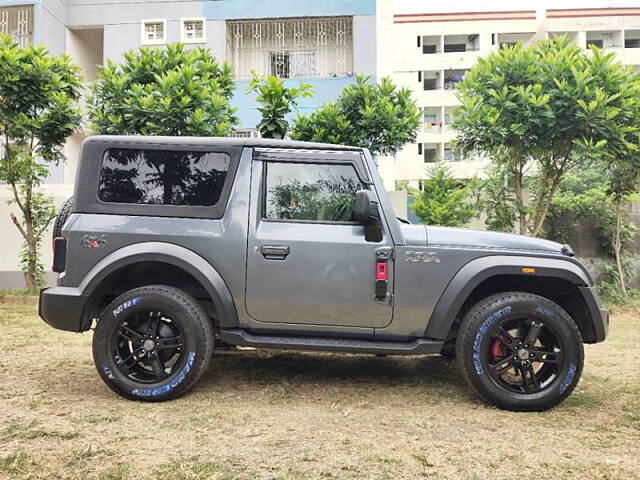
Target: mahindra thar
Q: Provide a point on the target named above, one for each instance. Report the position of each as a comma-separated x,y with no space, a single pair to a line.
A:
174,246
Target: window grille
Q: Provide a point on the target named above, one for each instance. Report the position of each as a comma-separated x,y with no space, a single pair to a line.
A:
193,30
291,48
17,22
153,32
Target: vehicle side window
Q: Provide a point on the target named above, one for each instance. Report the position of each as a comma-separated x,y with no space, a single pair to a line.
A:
310,191
162,177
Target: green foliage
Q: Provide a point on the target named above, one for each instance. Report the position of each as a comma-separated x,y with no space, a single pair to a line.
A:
328,199
609,283
164,91
379,117
445,200
42,213
38,111
550,106
498,202
276,101
583,196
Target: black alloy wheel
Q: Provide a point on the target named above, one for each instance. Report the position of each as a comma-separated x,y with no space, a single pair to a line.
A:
520,351
148,346
523,355
153,343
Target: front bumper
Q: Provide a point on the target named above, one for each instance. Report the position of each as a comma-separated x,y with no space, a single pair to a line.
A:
62,308
599,315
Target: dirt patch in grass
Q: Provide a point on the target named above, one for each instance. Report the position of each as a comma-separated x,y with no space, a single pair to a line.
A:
306,416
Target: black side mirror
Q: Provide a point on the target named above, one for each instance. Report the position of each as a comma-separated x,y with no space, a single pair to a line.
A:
365,211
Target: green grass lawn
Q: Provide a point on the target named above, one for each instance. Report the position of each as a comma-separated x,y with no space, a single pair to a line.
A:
297,416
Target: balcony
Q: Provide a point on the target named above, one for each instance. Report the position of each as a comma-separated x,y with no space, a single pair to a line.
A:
511,39
452,153
432,119
461,43
573,36
632,39
430,152
17,22
453,78
291,48
431,80
430,44
605,39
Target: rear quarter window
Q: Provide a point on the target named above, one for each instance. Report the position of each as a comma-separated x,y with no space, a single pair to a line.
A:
162,177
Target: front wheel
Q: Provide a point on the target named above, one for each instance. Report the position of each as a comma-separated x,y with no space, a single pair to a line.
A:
153,343
520,351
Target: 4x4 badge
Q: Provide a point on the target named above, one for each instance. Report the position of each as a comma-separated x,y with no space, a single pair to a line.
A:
93,241
425,257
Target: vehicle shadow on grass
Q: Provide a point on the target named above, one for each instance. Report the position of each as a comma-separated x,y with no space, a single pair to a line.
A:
287,370
261,368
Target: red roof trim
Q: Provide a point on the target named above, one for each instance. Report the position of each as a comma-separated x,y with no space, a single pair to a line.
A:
463,13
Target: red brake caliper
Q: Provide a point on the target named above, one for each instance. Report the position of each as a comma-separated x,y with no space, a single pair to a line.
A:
497,349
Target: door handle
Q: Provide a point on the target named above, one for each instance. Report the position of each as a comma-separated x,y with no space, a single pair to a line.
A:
274,252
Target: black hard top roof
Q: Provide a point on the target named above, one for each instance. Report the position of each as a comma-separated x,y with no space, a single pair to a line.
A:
215,141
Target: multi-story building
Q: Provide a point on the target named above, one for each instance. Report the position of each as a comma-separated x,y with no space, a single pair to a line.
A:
431,52
322,43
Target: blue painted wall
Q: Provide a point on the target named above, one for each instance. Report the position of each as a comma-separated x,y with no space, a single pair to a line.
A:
326,89
233,9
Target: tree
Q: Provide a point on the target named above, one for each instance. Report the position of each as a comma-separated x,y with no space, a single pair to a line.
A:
379,117
445,200
171,91
499,203
618,138
276,101
540,108
38,111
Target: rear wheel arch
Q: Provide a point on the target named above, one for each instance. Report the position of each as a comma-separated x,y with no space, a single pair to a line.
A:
153,263
556,279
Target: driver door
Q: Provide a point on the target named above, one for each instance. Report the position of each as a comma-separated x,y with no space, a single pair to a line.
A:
308,262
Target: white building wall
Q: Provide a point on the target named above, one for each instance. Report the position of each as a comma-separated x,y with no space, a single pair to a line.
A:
404,59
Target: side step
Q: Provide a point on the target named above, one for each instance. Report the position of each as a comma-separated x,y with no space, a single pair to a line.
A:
243,338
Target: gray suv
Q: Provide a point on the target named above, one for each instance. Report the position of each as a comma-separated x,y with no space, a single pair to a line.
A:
173,247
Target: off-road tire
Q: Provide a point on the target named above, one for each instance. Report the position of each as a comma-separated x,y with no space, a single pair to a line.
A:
198,333
61,217
474,335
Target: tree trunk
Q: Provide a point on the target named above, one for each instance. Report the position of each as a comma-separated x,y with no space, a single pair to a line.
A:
617,246
544,206
519,191
31,274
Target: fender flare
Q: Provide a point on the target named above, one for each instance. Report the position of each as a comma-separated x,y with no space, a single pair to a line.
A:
479,270
172,254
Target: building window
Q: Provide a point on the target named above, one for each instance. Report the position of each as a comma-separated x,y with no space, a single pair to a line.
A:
453,78
452,154
17,22
193,30
430,155
153,32
595,43
245,133
461,43
291,48
632,39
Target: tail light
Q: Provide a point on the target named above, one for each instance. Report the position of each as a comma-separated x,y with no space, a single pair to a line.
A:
59,254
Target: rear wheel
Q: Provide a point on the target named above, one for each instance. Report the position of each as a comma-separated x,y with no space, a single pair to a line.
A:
153,343
520,351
